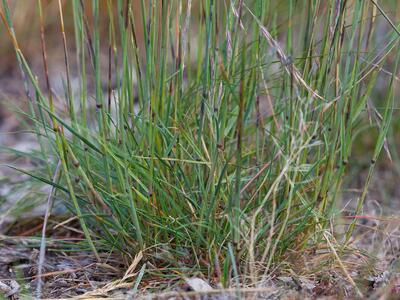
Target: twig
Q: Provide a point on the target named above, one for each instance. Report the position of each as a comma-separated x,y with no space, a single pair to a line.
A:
43,239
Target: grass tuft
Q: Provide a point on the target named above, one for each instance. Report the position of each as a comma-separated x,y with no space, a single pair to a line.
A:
212,135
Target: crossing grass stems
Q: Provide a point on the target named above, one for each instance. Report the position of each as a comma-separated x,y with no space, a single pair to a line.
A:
196,173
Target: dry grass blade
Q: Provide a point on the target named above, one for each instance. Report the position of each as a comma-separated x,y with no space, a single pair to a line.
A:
342,266
285,60
117,284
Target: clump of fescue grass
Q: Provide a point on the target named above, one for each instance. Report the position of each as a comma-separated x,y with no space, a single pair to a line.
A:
228,135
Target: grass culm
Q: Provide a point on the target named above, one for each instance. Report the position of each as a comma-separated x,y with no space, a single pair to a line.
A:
213,136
